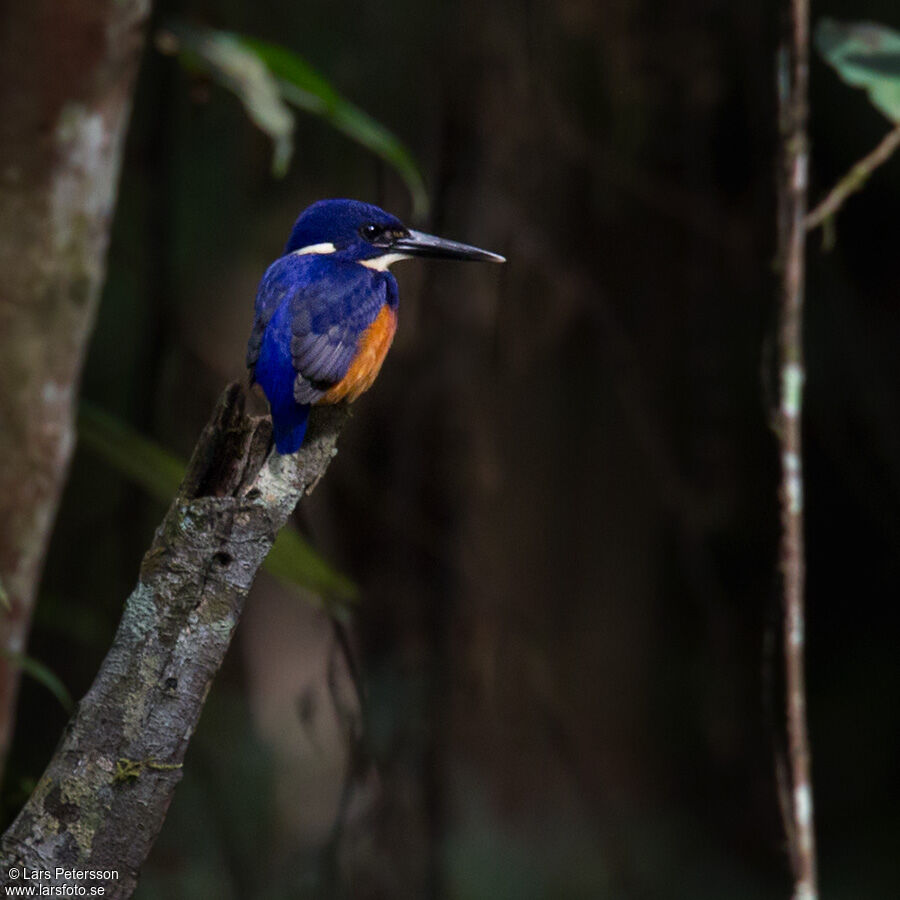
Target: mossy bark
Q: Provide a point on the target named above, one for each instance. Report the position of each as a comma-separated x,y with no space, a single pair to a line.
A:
67,69
103,798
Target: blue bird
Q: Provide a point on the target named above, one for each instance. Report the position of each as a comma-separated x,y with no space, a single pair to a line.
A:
326,311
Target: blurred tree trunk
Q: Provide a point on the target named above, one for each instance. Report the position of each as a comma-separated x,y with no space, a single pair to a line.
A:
67,68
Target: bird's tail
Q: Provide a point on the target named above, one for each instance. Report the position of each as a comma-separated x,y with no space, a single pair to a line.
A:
289,424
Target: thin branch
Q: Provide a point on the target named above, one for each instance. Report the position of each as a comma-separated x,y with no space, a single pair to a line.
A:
793,78
104,795
854,180
777,737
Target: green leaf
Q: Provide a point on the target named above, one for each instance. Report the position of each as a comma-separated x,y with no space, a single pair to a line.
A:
236,67
141,461
159,473
292,560
79,623
306,89
4,598
265,75
39,672
865,55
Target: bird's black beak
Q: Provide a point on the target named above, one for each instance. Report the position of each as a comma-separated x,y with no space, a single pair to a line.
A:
417,243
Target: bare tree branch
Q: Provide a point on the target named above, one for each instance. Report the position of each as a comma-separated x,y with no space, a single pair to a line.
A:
67,70
102,799
793,83
854,180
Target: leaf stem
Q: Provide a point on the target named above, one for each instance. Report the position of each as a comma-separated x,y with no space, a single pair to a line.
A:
854,180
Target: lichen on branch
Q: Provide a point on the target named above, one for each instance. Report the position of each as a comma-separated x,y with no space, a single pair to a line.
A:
103,798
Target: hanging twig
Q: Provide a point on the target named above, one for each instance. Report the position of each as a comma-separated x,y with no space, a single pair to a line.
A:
793,76
854,180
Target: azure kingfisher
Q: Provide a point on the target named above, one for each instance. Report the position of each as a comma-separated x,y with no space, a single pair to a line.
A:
326,311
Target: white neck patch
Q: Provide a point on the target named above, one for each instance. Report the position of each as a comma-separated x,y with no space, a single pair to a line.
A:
315,248
381,263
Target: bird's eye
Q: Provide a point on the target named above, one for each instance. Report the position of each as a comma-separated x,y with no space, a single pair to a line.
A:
371,232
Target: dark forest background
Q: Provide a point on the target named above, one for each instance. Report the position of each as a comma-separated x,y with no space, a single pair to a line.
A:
559,500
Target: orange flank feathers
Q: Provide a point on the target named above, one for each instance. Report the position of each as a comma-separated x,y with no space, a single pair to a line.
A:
373,347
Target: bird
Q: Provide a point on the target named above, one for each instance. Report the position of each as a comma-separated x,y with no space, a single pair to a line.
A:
326,310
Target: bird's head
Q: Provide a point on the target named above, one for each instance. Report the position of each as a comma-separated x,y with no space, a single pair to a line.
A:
363,233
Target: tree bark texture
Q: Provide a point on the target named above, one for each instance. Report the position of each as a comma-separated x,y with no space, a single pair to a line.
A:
102,799
68,70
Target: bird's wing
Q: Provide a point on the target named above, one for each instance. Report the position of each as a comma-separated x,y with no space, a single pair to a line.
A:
276,284
328,317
